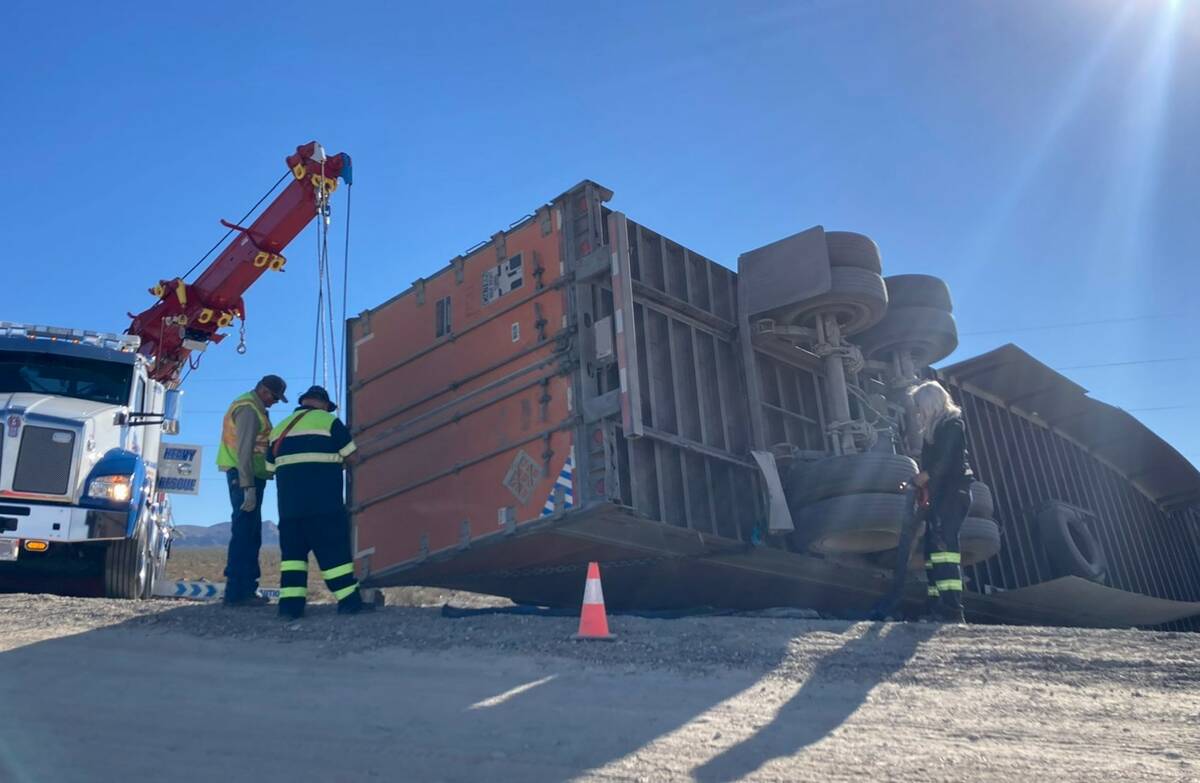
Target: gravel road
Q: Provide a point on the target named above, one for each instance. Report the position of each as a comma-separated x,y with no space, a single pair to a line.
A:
107,690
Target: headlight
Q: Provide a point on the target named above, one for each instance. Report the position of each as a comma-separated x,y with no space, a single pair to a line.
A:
117,489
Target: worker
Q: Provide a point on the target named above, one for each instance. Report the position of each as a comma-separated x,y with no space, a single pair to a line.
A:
243,458
307,452
946,473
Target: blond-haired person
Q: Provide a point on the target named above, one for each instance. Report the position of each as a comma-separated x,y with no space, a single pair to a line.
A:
946,473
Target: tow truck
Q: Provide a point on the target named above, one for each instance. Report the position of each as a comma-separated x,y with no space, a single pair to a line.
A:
83,413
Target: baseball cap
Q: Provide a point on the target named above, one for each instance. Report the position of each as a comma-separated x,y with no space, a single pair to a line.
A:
276,385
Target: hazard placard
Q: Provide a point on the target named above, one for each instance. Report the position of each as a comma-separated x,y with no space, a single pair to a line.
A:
179,468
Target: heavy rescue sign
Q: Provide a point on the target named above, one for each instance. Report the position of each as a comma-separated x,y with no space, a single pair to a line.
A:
179,468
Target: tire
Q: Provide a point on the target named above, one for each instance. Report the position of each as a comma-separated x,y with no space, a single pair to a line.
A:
127,567
157,553
851,524
858,299
847,248
981,501
978,540
850,474
929,333
1069,544
918,291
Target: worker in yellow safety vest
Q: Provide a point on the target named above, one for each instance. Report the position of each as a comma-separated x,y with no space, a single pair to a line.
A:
242,456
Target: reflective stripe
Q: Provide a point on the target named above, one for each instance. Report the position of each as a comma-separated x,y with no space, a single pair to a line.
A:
946,558
341,570
345,591
928,565
348,449
933,591
293,592
308,456
314,422
293,565
950,585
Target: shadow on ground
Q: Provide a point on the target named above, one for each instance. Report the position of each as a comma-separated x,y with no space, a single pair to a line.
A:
236,694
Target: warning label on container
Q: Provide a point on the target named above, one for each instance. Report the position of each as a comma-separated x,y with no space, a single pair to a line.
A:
502,278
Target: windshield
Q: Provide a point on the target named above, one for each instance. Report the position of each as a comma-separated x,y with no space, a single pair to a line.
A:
66,376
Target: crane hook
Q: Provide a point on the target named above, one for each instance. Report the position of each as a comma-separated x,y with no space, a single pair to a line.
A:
241,346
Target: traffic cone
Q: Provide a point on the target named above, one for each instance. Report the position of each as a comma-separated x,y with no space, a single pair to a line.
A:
593,622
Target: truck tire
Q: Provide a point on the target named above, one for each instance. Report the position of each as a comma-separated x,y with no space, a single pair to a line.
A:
849,474
978,540
847,248
1069,544
851,524
858,299
928,332
127,567
981,501
157,553
918,291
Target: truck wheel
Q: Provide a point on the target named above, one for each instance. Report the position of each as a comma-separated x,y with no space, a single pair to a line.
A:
981,501
928,332
847,248
978,539
127,567
157,554
857,299
1069,543
849,474
918,291
852,524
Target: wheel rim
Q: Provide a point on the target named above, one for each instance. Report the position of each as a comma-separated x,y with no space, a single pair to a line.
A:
143,567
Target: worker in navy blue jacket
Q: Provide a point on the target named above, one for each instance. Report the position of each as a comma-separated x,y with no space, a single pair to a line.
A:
946,473
307,453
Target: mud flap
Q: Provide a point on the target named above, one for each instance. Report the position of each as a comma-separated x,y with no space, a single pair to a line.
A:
779,518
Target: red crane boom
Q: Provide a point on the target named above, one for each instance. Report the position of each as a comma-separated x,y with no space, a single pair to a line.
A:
188,316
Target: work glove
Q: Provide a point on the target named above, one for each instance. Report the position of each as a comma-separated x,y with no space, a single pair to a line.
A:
249,499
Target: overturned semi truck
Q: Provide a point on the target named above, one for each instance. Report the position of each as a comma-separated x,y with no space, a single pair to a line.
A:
581,388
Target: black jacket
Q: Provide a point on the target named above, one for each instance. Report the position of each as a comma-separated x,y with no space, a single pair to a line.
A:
945,459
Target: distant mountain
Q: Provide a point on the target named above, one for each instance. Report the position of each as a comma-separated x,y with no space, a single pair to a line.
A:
199,536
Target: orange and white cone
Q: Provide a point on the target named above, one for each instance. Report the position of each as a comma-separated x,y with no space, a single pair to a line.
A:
593,622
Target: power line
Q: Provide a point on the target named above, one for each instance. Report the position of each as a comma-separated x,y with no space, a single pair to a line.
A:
1072,324
1128,363
1162,408
221,241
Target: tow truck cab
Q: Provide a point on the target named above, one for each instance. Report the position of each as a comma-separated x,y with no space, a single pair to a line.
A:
82,424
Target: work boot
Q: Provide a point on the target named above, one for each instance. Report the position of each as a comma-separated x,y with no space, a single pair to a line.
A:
354,604
952,615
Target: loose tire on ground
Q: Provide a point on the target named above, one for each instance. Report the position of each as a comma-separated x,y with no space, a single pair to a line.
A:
929,333
851,524
849,474
1069,544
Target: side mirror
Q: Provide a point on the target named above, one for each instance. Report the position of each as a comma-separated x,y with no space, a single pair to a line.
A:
172,411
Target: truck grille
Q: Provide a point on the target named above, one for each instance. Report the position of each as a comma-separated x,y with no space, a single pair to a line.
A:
44,462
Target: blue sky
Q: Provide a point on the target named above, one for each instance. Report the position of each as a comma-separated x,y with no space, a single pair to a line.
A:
1039,156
